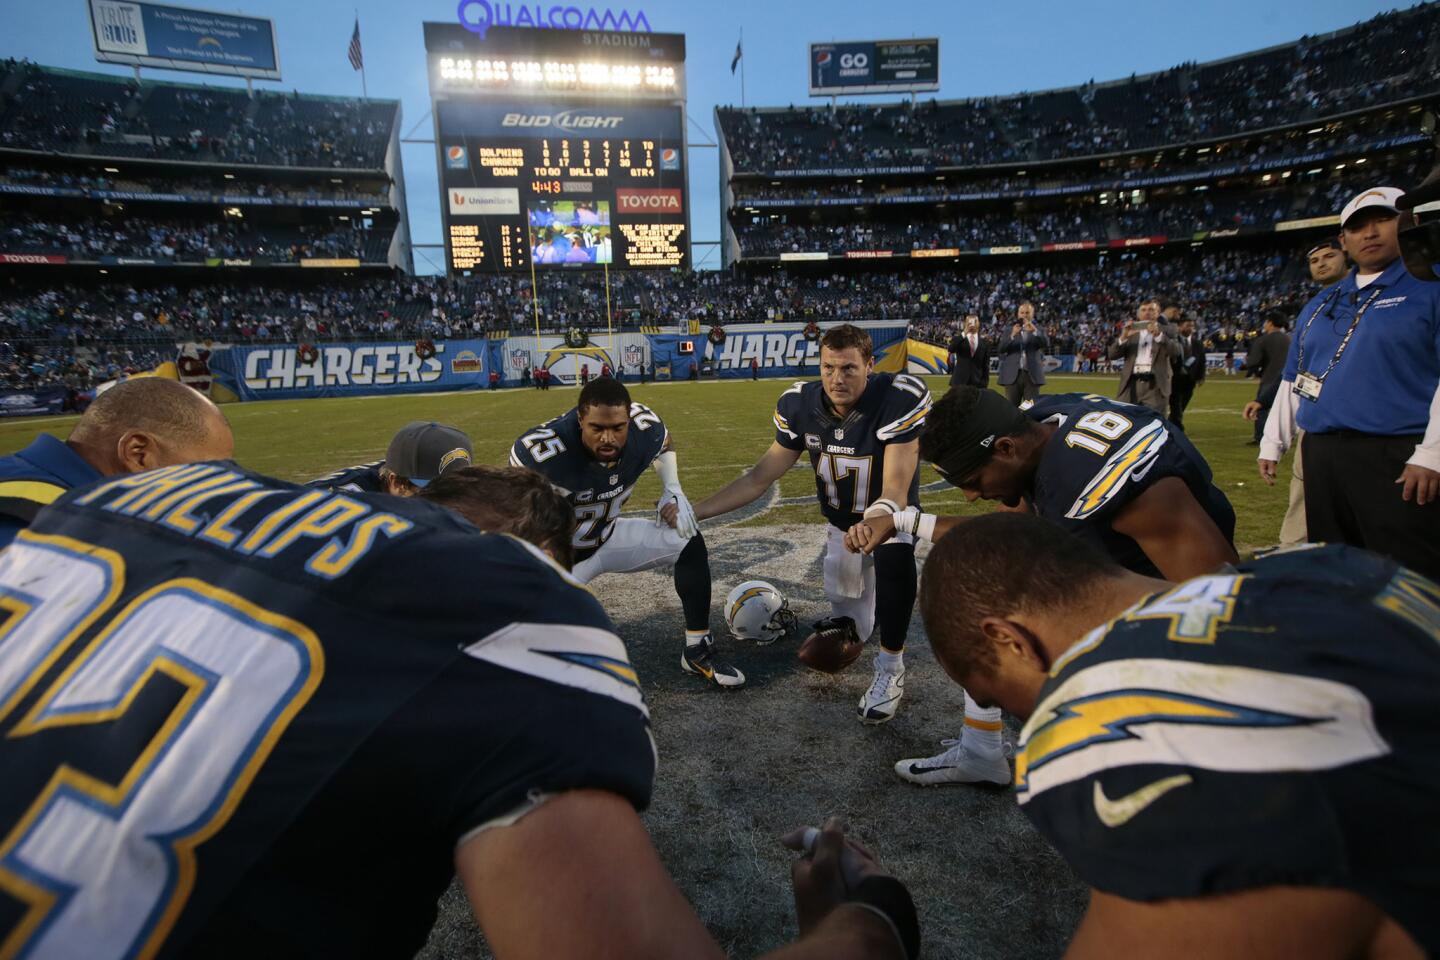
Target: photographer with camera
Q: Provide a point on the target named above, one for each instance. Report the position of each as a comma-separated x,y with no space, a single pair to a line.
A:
1022,357
1147,348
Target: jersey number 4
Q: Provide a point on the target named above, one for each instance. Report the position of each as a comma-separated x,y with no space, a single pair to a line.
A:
104,869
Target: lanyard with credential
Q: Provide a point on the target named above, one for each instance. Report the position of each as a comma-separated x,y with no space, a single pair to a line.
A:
1340,350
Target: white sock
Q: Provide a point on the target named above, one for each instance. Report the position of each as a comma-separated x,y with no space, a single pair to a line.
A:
982,727
693,638
890,662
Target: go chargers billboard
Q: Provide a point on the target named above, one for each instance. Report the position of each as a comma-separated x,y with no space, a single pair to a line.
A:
874,66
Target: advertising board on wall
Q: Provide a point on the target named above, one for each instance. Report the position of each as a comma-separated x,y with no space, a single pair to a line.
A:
183,38
874,66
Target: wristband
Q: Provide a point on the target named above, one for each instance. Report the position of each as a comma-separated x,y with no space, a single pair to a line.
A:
925,527
906,519
881,507
889,898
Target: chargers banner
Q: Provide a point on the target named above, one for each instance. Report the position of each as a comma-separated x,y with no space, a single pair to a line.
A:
24,403
277,372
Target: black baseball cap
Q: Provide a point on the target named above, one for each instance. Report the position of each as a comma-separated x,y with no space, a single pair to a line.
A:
1328,244
981,417
424,450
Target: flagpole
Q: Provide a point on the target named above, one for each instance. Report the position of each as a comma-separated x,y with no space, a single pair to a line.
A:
609,328
364,87
742,68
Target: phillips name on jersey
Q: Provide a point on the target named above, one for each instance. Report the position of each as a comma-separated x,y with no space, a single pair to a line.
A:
848,454
1272,724
1103,456
240,717
596,491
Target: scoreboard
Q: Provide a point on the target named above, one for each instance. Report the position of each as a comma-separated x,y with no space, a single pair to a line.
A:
544,175
566,185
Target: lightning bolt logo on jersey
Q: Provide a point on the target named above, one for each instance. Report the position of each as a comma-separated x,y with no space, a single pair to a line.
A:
1271,724
848,454
597,492
212,683
1103,456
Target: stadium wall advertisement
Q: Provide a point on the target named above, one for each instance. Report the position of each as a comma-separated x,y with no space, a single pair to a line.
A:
24,403
183,38
276,371
208,198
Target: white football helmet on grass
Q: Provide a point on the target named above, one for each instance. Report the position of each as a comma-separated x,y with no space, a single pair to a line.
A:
756,611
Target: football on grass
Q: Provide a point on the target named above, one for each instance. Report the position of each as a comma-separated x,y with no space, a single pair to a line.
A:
832,647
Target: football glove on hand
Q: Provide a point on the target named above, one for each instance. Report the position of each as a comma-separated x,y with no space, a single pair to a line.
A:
685,523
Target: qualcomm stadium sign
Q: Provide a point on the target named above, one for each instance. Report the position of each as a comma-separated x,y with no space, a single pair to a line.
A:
478,16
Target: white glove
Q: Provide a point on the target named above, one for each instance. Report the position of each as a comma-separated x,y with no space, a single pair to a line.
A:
685,523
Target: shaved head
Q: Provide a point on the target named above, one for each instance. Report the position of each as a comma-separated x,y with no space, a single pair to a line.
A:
150,422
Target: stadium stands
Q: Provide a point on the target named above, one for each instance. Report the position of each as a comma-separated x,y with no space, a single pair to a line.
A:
1387,59
1190,156
69,112
1255,143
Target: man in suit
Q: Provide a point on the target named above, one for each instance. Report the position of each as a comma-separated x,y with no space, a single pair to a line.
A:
1187,367
970,356
1146,347
1266,361
1022,357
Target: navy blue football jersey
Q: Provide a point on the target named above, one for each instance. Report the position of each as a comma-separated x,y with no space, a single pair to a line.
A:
597,492
361,478
240,717
848,454
1104,455
1271,724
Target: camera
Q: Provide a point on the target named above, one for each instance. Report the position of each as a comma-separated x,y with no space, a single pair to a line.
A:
1420,242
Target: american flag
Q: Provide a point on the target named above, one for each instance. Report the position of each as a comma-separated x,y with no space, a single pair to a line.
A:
356,59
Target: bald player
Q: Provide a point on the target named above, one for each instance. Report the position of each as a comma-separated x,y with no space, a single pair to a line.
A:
134,426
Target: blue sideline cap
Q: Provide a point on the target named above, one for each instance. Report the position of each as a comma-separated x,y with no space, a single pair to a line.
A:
424,450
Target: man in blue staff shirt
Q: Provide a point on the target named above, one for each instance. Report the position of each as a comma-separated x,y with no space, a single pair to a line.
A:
1364,366
134,426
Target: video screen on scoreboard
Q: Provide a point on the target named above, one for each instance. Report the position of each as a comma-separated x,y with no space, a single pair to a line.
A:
562,187
570,231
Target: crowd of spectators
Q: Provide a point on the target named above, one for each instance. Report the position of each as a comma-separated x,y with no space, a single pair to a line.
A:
972,227
1076,303
1341,140
190,241
66,112
1389,58
77,368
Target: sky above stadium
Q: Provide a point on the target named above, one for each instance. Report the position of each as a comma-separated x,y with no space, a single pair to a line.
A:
985,49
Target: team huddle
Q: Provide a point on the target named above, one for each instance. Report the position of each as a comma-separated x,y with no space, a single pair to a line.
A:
249,717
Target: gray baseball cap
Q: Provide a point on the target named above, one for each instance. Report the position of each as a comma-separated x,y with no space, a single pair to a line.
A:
424,450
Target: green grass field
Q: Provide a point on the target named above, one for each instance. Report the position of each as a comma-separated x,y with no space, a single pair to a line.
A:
738,769
719,429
